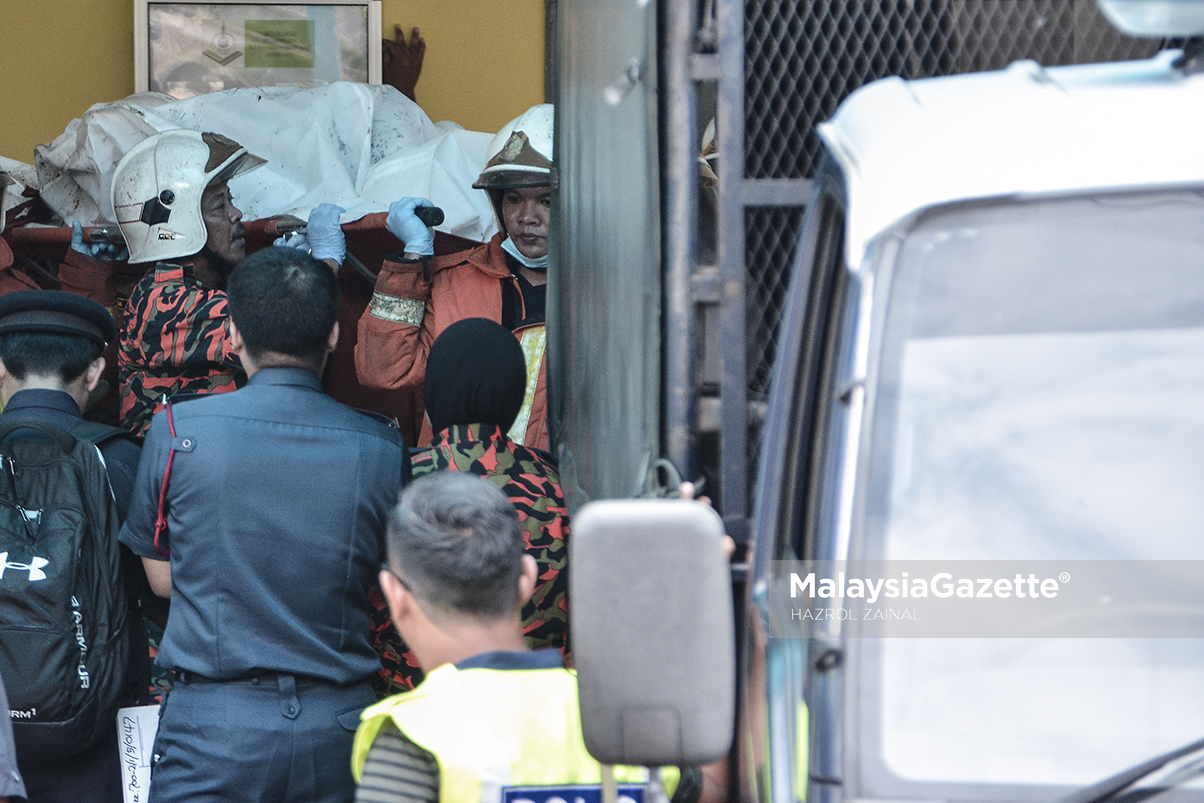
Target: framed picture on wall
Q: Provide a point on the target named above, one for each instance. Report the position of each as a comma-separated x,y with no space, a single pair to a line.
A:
190,48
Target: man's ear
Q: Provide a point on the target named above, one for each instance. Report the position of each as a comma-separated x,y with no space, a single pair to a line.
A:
237,345
527,579
92,374
395,594
333,340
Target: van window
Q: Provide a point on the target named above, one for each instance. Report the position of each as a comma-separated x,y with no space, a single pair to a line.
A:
1041,396
1044,369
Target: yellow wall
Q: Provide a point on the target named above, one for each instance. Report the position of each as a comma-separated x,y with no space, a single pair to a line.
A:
484,58
484,61
58,57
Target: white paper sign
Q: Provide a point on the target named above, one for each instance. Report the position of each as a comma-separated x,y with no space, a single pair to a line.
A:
136,728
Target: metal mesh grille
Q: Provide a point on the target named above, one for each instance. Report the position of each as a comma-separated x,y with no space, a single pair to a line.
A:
803,58
772,232
769,249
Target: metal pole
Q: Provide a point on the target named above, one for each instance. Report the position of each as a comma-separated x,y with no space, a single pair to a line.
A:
733,435
680,239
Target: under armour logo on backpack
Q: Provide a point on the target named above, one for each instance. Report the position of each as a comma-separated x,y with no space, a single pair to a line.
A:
34,567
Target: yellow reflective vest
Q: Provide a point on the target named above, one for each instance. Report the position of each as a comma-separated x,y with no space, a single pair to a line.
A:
500,736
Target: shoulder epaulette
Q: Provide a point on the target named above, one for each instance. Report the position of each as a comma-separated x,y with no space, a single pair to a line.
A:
180,398
391,423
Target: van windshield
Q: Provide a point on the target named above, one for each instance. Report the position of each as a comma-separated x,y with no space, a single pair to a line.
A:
1041,396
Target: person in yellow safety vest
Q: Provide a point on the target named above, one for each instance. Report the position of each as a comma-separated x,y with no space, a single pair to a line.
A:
493,722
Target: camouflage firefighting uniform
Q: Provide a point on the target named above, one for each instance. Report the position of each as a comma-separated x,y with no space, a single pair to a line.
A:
532,483
174,339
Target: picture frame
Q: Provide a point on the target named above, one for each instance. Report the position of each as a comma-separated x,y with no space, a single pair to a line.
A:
185,48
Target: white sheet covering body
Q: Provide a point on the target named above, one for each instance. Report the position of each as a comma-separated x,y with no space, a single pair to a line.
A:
20,176
359,146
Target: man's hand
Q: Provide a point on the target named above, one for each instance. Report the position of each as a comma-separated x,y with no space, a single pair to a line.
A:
401,61
325,235
403,224
687,491
106,251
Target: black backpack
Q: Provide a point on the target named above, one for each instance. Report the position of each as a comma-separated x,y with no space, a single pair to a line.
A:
64,640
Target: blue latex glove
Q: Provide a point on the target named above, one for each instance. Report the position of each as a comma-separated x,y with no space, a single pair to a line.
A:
111,252
403,224
325,235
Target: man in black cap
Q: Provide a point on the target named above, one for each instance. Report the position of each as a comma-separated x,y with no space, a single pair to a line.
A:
50,360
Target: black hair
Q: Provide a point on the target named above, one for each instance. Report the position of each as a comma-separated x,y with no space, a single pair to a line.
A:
47,354
456,542
475,374
283,300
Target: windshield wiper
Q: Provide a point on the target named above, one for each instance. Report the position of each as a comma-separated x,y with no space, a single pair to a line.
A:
1109,787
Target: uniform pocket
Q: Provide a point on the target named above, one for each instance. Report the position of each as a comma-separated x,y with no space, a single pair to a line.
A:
350,719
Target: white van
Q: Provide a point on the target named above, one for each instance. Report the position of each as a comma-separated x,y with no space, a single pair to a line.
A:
993,349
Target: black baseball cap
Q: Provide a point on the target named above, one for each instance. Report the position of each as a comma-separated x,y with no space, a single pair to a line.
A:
56,312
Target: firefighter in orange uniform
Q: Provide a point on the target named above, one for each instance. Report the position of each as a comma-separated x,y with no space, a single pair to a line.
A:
505,280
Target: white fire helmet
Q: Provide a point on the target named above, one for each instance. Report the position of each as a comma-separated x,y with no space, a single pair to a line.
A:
521,153
157,190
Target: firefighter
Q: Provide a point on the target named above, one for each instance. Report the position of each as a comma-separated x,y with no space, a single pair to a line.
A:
171,196
505,280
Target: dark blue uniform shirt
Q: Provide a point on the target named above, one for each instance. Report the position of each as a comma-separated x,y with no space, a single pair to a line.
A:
277,505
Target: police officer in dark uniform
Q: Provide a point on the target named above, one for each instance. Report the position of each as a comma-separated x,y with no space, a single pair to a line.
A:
275,510
50,360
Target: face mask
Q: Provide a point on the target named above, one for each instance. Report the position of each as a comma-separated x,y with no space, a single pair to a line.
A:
534,264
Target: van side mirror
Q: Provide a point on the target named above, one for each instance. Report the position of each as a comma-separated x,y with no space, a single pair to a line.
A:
652,632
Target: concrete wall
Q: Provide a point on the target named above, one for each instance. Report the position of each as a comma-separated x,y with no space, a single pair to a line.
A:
484,61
